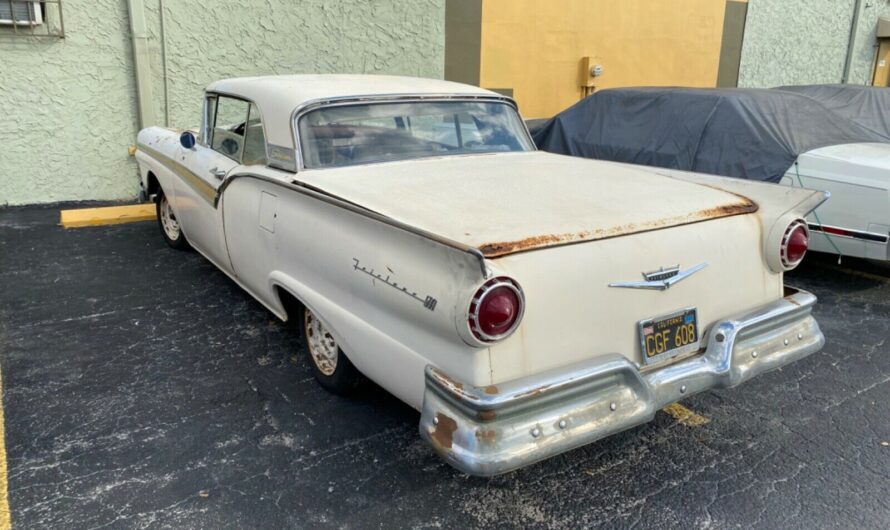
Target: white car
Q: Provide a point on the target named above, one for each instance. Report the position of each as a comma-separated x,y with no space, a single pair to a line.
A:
526,303
856,222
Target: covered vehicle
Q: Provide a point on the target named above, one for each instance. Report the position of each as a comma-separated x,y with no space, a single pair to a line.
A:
525,303
868,106
769,135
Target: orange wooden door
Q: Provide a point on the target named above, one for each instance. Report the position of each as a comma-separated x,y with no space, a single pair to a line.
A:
882,66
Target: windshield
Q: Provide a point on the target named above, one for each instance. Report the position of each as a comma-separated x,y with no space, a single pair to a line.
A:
379,132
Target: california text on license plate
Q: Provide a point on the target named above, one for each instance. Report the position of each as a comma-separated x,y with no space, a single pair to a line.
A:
670,335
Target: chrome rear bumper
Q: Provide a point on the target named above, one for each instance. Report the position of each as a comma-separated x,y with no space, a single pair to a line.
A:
495,429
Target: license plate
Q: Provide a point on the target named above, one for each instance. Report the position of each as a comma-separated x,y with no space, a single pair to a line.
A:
668,336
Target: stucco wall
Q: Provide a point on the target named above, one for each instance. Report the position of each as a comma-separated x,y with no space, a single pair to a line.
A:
805,41
69,106
68,109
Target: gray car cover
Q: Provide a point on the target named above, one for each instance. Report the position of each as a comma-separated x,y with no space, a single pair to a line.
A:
748,133
866,105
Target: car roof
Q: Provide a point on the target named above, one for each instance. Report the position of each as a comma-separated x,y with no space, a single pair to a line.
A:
278,96
297,90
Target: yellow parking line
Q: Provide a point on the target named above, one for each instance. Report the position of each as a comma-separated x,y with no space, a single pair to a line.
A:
685,416
111,215
5,515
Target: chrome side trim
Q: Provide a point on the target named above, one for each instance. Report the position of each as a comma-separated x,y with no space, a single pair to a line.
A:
498,428
660,285
837,231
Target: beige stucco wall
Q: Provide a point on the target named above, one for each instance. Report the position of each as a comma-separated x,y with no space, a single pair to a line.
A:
69,106
792,42
535,46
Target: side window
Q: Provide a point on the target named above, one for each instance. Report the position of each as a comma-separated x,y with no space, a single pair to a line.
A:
254,139
229,125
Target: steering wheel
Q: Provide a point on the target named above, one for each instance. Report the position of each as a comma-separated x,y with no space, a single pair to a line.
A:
229,146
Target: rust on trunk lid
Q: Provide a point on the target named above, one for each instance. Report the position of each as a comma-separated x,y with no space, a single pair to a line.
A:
503,248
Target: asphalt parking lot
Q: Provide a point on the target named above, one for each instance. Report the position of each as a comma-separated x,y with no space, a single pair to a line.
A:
143,388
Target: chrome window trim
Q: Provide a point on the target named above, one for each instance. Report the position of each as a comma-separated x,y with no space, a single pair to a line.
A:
204,137
342,101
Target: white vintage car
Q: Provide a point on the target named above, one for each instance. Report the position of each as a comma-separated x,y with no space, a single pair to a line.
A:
526,303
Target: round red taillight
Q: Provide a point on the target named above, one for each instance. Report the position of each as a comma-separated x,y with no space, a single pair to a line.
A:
795,243
496,309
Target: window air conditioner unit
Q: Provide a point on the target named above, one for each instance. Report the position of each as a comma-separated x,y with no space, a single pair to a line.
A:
20,13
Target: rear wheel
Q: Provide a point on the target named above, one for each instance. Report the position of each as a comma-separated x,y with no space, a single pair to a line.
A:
170,228
332,369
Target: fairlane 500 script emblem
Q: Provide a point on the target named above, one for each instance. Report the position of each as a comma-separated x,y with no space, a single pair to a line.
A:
429,302
662,279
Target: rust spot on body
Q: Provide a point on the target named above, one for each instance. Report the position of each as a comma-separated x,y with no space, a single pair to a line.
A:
486,435
498,249
487,415
443,431
726,210
491,390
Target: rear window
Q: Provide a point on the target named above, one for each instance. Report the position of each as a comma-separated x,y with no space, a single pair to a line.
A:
381,132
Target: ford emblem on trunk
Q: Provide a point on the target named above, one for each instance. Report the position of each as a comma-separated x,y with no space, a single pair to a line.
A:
662,273
661,279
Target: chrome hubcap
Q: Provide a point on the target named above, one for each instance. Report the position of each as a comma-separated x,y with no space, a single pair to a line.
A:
322,346
168,220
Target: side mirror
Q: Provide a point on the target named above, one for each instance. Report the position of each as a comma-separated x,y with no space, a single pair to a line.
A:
187,139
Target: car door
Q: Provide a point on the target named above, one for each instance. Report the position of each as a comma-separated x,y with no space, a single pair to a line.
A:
207,164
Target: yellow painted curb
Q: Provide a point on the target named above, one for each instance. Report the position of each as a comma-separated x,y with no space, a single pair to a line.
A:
685,416
5,515
111,215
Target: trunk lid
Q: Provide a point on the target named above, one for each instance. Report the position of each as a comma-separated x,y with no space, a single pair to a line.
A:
513,202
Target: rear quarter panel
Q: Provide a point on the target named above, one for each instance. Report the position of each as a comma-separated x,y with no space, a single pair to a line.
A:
392,298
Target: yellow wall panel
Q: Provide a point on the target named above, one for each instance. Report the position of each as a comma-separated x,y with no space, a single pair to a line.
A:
535,47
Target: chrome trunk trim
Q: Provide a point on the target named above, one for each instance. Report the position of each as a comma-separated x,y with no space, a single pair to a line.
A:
661,284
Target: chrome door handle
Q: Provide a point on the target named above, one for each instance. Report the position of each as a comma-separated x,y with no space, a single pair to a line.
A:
218,173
